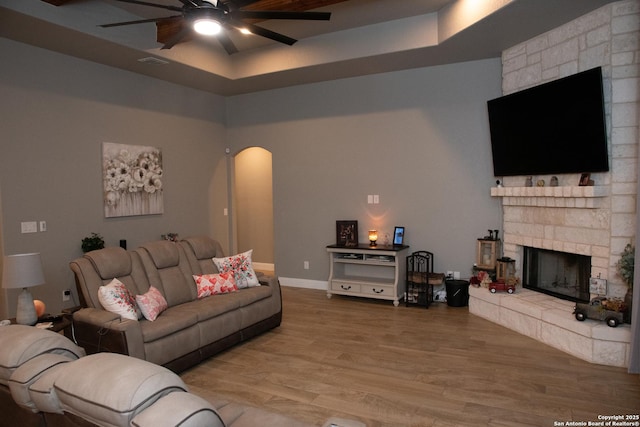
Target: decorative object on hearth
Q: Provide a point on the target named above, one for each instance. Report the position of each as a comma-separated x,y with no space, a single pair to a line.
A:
626,264
373,237
505,269
626,268
347,233
601,308
23,271
540,183
554,181
498,183
487,252
528,182
92,242
132,180
219,18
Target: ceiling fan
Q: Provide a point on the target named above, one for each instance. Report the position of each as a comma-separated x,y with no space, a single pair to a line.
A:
209,17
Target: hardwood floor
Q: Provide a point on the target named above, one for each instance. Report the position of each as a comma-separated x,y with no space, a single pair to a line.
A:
387,366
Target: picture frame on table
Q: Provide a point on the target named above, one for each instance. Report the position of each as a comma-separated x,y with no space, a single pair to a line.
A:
347,233
398,236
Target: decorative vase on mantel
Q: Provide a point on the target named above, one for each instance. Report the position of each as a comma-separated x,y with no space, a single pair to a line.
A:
625,267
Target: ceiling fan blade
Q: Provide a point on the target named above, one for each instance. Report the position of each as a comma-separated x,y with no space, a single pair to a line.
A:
191,3
259,31
275,14
139,21
176,38
237,4
226,43
161,6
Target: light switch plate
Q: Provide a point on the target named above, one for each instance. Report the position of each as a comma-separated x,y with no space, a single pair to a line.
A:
29,227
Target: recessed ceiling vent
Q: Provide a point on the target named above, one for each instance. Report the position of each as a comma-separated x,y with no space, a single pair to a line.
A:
153,61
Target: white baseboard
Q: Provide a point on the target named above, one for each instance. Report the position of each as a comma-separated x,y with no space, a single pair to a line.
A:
303,283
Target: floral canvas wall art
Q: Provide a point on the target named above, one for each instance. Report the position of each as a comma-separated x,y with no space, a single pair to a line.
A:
132,178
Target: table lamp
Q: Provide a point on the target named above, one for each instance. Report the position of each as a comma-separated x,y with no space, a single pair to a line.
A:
23,271
373,237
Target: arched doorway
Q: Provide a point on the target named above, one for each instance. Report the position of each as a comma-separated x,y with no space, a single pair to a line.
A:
253,205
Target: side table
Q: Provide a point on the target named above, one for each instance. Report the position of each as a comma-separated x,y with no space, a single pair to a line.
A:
58,325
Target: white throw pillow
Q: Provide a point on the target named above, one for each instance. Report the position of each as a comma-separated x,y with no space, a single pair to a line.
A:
116,298
241,267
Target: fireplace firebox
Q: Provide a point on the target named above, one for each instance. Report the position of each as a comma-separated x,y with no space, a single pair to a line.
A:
560,274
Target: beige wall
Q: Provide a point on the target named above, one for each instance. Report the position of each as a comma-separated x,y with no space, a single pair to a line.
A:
253,207
56,113
418,138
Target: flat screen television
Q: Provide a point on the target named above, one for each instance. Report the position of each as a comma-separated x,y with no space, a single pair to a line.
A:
554,128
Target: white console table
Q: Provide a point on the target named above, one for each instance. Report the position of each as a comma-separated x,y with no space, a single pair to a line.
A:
367,271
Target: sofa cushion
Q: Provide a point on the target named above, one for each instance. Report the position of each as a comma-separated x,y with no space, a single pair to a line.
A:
241,267
212,284
151,303
116,298
171,321
168,270
111,389
110,262
200,251
179,409
22,343
28,373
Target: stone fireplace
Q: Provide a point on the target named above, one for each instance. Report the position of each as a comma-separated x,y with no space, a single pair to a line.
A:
596,221
573,222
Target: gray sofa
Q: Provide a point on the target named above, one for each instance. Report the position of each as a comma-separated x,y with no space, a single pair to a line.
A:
191,329
47,381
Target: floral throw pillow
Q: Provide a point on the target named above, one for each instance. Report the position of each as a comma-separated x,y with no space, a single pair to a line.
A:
212,284
116,298
151,304
240,266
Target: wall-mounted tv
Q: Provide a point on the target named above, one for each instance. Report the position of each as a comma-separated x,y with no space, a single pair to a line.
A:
557,127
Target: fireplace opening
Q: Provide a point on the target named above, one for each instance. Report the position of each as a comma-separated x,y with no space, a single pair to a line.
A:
560,274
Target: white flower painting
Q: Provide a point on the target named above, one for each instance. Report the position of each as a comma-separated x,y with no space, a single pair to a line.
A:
132,176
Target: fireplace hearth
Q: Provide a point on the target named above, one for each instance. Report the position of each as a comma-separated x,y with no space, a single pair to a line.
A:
559,274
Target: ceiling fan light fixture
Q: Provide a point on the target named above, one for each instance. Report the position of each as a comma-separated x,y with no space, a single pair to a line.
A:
207,26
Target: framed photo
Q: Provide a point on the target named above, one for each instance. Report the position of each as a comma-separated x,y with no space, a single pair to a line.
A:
347,233
398,236
585,178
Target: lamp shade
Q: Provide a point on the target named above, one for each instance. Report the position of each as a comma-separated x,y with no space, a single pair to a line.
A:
22,271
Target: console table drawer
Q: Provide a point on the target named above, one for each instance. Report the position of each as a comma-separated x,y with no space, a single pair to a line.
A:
345,286
379,290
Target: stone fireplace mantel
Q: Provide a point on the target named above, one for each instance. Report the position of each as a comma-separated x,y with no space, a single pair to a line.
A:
590,197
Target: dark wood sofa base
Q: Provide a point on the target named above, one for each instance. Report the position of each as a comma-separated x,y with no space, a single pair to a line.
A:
95,340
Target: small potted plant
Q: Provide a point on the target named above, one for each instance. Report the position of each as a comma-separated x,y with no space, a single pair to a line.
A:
625,266
92,242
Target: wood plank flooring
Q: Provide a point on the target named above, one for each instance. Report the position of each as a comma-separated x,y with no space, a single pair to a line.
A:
397,366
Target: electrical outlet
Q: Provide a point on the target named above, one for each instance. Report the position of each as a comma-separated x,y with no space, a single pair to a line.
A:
66,295
306,265
43,225
456,275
